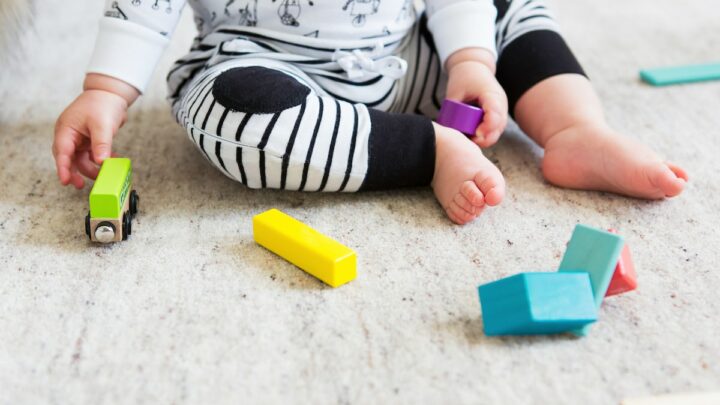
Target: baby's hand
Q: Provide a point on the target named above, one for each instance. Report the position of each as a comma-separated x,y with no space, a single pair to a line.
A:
474,82
84,132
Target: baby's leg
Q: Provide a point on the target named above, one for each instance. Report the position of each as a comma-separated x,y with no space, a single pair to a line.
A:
269,127
465,181
563,115
554,103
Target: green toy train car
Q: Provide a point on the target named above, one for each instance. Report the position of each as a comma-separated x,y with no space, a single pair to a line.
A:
113,203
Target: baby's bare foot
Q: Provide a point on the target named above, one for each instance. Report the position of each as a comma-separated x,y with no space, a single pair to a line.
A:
597,158
464,180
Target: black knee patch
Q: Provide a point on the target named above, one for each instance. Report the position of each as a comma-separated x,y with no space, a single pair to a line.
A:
258,90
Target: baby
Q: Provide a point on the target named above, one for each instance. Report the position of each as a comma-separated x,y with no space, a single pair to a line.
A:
338,95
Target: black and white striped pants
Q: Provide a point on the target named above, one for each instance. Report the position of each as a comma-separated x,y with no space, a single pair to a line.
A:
272,113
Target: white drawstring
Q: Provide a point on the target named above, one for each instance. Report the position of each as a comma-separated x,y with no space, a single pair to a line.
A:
359,63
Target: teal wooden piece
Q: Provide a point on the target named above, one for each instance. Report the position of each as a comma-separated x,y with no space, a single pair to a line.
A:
681,74
596,252
537,303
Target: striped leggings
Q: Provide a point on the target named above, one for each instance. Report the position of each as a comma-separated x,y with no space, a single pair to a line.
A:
274,113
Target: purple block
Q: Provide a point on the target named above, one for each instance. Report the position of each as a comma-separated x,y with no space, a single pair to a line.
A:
463,117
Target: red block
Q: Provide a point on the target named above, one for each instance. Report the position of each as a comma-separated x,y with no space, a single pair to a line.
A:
624,278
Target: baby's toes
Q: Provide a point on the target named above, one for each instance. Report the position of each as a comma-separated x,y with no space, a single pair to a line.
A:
458,214
453,217
664,178
679,171
492,186
472,193
463,202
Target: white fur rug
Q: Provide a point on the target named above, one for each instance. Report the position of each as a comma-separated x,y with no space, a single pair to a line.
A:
190,310
15,18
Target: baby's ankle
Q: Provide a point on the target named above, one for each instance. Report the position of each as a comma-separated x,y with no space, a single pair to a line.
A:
445,136
591,127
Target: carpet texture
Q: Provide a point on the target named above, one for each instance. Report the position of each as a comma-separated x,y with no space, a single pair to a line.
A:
191,310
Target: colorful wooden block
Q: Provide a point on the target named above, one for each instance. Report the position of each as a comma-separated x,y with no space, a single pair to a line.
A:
537,303
596,252
463,117
329,260
624,278
681,74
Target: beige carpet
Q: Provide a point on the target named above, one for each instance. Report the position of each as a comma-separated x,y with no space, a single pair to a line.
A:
190,310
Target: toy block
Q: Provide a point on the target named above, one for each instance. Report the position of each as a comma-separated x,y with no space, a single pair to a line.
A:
537,303
624,278
463,117
681,74
596,252
329,260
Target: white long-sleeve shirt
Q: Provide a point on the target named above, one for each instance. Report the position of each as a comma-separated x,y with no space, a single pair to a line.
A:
134,33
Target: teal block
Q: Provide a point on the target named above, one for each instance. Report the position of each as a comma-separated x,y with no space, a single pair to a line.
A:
596,252
681,74
537,303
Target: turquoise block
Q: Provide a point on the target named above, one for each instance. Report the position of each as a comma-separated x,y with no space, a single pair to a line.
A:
537,303
596,252
681,74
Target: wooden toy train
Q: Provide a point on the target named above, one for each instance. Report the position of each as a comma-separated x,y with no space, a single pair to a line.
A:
113,203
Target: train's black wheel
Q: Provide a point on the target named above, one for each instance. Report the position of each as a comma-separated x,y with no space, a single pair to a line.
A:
126,226
134,200
87,225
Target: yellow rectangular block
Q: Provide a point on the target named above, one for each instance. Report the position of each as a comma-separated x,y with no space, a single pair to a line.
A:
317,254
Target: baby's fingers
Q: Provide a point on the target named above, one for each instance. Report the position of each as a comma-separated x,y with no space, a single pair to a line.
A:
85,165
65,144
101,135
62,165
494,120
75,178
